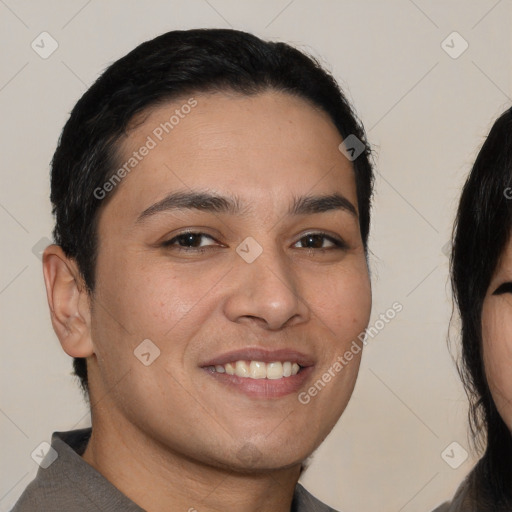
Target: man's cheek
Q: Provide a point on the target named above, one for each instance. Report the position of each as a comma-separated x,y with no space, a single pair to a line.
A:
346,319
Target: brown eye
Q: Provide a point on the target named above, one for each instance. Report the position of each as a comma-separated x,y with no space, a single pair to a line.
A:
190,240
319,241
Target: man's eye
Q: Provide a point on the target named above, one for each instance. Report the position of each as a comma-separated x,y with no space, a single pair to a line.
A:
319,241
190,241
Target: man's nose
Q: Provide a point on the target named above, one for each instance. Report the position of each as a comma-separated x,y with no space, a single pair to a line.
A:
267,290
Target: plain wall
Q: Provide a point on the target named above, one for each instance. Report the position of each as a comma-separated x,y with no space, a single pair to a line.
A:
426,115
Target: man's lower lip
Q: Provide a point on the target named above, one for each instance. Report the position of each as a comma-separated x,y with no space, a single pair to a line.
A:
264,388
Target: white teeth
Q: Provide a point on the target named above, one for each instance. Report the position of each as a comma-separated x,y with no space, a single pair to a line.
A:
242,369
274,370
259,369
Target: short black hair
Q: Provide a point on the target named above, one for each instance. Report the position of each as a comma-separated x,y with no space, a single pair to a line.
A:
170,66
481,233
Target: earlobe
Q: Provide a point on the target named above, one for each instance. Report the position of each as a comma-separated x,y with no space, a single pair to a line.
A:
68,301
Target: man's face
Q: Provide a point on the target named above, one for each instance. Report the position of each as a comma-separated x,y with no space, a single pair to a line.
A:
211,298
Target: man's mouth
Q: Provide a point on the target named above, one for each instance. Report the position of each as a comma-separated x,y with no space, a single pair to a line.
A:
258,369
261,373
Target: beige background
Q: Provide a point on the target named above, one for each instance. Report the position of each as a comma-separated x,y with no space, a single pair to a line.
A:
426,114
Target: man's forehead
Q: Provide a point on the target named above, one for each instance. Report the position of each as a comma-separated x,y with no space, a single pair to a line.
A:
286,173
223,115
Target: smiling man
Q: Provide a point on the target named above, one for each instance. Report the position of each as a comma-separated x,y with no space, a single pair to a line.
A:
209,267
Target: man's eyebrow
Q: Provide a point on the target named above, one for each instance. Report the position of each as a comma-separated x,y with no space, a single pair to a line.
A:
202,201
208,202
318,204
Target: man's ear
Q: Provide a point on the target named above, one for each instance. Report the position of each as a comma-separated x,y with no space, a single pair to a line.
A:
69,302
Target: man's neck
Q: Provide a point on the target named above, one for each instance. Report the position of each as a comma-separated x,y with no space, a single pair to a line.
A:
158,479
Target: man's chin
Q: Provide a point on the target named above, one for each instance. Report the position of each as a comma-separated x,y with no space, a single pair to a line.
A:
264,466
251,459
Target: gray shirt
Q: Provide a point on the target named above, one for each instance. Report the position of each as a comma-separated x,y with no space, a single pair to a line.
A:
72,485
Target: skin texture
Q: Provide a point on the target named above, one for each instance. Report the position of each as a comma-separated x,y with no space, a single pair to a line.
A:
497,337
169,435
